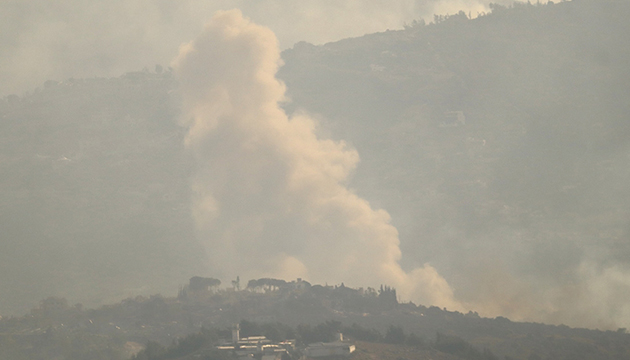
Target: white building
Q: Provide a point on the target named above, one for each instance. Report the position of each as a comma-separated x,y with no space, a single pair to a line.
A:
338,348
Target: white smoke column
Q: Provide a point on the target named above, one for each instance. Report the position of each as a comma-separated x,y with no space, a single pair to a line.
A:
270,197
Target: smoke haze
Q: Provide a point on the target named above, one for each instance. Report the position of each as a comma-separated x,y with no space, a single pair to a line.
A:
270,196
53,40
522,212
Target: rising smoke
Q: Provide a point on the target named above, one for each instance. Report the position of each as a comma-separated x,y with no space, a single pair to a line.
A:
270,196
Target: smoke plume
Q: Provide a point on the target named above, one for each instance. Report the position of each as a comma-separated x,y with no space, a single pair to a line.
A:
271,197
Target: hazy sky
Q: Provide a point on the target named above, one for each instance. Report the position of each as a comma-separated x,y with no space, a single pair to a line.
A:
42,40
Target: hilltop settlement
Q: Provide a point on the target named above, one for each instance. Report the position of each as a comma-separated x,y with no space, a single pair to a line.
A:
275,319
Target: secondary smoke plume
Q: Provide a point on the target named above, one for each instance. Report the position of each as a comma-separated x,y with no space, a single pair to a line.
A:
270,195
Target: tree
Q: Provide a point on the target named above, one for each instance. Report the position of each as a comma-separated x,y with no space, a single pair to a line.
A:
395,335
198,283
236,284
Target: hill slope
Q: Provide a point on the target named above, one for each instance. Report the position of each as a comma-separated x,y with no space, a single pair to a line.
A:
499,145
525,192
385,328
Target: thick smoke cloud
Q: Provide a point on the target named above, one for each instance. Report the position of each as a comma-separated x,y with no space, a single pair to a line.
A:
270,195
54,40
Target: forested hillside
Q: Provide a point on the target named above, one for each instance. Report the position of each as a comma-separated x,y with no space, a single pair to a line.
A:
499,145
94,192
190,325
